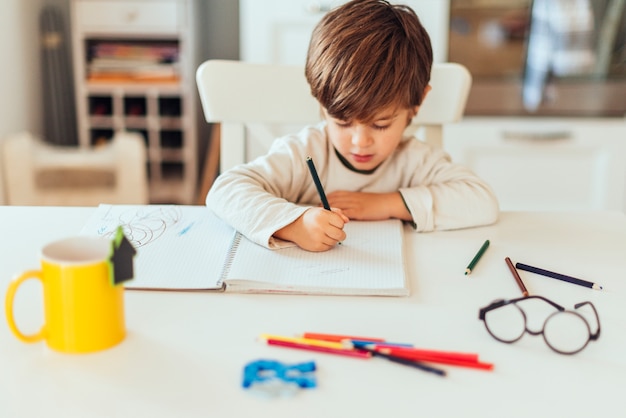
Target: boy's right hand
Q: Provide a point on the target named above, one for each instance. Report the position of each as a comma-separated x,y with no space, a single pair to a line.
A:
317,229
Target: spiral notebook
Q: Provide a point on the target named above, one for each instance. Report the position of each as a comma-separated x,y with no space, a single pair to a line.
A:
188,248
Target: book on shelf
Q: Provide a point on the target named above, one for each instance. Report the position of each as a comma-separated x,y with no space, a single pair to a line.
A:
188,248
125,78
119,61
157,52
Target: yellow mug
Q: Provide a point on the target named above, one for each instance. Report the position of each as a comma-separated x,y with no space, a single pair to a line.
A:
83,310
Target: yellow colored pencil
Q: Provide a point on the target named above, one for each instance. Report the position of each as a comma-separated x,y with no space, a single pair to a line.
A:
299,340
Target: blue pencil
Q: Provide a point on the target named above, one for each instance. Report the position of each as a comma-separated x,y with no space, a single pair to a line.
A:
558,276
367,343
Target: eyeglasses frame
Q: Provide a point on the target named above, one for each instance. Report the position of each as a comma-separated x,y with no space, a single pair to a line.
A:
504,302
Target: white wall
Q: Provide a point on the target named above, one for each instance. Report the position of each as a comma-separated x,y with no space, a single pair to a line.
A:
20,97
20,80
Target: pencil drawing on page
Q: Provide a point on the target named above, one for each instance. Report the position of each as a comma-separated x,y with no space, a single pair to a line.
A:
143,225
178,246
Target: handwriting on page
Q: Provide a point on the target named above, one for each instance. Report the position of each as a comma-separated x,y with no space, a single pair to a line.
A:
370,257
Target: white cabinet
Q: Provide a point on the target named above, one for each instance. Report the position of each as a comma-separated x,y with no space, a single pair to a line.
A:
278,31
110,16
545,164
134,66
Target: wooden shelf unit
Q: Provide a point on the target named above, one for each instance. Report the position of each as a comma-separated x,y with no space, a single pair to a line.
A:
129,92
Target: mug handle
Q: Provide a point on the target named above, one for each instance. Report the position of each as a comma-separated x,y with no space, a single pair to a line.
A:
31,274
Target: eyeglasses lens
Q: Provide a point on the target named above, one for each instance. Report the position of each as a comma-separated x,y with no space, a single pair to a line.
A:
506,323
566,332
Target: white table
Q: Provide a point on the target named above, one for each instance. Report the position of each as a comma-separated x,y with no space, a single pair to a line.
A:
185,352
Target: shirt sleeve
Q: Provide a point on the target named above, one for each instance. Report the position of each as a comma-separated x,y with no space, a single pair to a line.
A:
261,197
443,195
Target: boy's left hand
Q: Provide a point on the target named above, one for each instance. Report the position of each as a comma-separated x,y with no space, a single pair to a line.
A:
369,206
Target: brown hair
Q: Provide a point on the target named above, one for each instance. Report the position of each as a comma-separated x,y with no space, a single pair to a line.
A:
367,55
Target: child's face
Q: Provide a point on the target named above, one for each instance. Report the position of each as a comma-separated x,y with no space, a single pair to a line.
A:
366,145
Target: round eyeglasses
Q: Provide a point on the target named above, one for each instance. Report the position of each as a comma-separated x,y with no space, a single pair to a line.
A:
565,331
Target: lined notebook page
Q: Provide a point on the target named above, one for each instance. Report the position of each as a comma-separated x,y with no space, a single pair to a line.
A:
178,247
369,262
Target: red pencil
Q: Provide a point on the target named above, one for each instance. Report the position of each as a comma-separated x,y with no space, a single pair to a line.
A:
341,352
451,361
417,352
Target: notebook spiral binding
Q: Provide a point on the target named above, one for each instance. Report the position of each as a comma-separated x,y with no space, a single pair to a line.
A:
228,262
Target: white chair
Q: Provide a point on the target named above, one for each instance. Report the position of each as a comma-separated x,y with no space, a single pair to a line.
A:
40,174
236,94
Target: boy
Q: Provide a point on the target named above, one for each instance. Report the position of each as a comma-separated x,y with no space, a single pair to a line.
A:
368,65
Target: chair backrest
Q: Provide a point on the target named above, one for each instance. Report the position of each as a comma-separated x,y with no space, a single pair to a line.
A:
235,94
39,174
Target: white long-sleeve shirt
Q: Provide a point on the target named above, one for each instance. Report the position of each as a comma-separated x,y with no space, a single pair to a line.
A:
262,196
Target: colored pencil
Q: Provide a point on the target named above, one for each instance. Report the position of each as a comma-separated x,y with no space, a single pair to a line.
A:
319,349
411,363
516,276
337,337
417,353
318,183
305,341
450,361
360,343
476,258
558,276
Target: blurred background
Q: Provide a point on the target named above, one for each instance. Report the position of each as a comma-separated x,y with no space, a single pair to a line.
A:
545,121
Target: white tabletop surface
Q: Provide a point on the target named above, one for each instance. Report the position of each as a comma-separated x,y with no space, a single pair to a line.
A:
184,352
